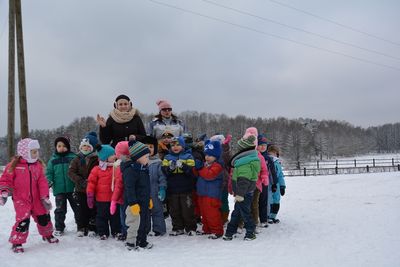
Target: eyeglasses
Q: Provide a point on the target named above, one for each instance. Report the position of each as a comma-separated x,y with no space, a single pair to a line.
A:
166,109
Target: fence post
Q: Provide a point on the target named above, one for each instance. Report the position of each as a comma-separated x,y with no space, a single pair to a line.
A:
373,162
317,164
398,167
393,162
305,172
336,163
298,165
367,168
355,163
336,170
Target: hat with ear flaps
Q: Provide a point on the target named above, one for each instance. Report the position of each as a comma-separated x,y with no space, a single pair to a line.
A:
104,152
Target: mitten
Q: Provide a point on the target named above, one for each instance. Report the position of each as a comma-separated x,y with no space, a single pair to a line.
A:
161,193
90,200
150,204
172,165
274,188
179,163
239,198
282,188
113,207
3,198
227,139
135,209
47,203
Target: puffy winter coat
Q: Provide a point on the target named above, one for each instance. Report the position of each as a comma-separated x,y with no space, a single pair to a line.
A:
27,184
80,168
136,183
179,180
57,173
157,177
245,173
159,125
209,181
263,178
101,182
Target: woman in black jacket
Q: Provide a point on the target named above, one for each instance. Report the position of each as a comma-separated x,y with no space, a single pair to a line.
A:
123,123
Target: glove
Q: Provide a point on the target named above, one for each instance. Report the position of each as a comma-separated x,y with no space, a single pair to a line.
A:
161,193
172,165
135,209
282,188
239,198
3,198
113,207
90,200
274,188
150,204
179,163
47,203
227,139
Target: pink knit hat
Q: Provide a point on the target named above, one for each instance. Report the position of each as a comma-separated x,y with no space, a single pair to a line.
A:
251,131
122,149
162,103
24,148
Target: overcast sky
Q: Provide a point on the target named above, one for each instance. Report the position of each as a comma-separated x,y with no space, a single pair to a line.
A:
81,54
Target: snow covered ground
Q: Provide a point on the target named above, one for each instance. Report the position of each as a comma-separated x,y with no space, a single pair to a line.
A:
340,220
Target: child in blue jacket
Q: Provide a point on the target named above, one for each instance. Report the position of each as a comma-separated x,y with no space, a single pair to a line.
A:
273,151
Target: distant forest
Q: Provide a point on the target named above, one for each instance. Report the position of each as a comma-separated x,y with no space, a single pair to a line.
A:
299,139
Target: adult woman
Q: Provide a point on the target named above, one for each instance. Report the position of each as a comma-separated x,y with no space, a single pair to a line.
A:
124,123
165,121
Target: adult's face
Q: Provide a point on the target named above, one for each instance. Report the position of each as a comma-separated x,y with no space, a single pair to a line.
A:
166,112
123,105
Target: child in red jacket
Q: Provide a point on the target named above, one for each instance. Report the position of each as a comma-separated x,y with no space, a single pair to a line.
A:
24,179
100,188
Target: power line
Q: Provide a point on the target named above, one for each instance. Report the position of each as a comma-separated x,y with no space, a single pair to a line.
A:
335,22
274,35
302,30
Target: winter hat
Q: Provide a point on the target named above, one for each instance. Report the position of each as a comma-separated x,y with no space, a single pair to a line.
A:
179,140
218,137
122,97
65,140
150,140
90,139
167,133
137,150
262,140
162,103
212,148
24,148
201,137
122,148
104,152
247,142
188,138
251,131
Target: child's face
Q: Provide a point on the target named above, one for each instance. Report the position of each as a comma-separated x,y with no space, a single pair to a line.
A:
166,140
86,148
112,158
34,154
61,148
210,159
144,160
176,148
151,148
262,148
272,153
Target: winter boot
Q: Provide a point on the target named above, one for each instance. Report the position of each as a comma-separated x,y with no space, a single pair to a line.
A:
50,239
17,248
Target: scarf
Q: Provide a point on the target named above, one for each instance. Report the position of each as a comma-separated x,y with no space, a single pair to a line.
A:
122,117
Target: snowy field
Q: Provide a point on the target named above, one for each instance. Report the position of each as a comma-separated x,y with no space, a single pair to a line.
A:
340,220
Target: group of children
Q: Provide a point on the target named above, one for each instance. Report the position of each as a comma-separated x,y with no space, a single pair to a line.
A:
122,192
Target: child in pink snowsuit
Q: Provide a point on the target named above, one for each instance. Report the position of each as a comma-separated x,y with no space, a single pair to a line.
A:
24,179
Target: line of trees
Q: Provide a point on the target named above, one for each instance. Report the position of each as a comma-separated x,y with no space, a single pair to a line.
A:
299,139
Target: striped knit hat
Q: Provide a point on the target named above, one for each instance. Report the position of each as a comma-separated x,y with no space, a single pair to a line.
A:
247,142
137,150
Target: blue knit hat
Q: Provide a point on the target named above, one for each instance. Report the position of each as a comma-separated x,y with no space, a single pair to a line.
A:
179,140
262,140
104,152
212,148
137,150
90,139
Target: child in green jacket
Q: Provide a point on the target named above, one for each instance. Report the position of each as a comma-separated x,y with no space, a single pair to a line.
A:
63,187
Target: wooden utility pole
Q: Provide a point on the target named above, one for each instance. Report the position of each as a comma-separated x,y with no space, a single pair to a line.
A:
23,105
11,80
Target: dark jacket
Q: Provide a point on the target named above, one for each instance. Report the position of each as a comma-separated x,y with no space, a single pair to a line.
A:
80,168
273,178
115,132
179,180
136,183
